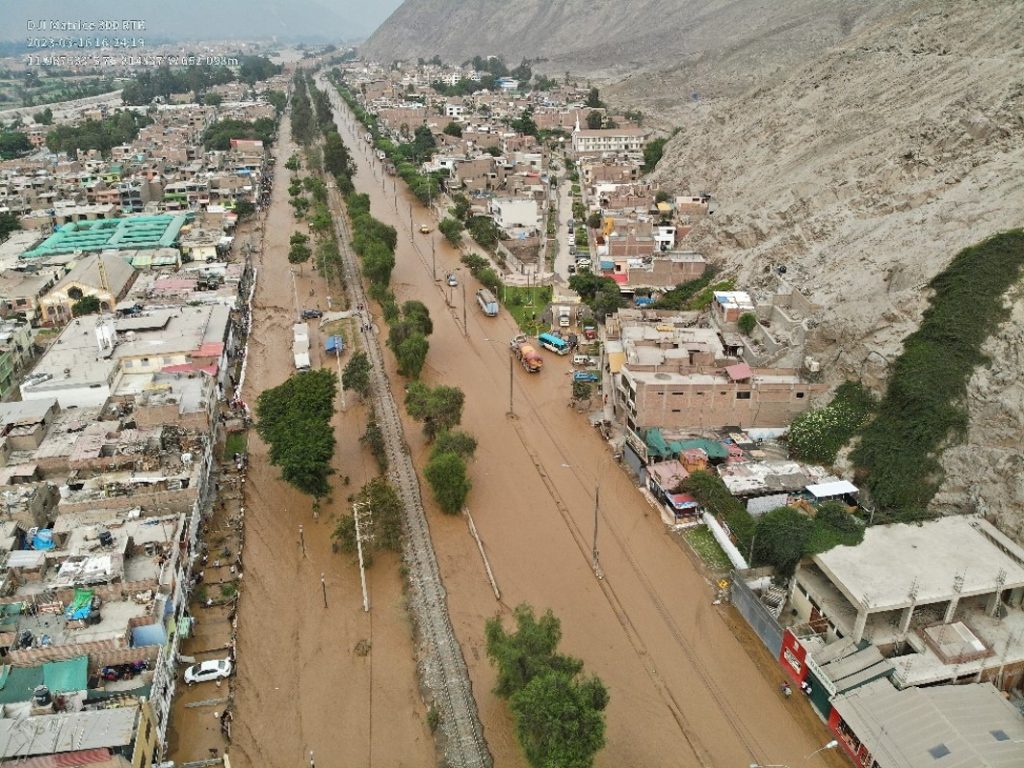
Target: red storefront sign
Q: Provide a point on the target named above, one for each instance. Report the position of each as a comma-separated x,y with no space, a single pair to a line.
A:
793,657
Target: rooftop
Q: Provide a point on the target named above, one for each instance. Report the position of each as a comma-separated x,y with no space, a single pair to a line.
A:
130,232
67,732
878,573
952,726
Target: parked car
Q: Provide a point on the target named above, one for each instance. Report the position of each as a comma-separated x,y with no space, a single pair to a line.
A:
583,361
572,269
585,376
452,279
424,229
311,314
216,669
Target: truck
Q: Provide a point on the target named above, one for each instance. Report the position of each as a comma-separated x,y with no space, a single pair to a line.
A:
300,346
564,316
487,302
527,355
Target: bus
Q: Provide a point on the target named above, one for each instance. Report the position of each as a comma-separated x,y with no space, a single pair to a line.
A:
487,302
554,344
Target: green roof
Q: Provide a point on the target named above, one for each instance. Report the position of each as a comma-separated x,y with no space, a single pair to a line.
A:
129,232
67,676
17,683
658,446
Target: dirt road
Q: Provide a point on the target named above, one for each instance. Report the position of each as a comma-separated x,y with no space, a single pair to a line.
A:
684,689
302,686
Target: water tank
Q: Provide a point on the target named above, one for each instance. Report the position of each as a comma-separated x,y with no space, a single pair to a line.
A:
41,696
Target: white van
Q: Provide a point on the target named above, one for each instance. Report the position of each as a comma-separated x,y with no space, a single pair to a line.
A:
582,361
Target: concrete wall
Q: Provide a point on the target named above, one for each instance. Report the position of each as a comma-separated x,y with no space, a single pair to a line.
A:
719,404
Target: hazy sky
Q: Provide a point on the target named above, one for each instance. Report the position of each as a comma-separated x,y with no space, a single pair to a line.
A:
332,20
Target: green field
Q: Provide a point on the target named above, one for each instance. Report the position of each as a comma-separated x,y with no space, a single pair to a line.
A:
526,306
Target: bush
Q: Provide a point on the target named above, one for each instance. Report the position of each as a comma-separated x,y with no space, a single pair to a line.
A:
709,490
819,434
446,473
451,229
747,323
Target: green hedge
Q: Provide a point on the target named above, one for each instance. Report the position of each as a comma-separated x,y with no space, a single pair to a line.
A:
923,410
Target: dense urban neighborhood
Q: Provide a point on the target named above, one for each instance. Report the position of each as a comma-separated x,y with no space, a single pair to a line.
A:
362,411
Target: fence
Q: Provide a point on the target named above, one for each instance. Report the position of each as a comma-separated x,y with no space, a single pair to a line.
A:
755,612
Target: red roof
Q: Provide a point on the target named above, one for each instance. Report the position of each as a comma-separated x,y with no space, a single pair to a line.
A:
209,349
739,372
620,278
65,759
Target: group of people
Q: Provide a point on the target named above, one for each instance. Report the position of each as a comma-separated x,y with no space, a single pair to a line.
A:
787,690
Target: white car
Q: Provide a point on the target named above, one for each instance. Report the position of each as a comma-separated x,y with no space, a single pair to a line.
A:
215,669
453,280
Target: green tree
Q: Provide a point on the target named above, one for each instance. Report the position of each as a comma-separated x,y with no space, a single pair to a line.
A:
439,408
560,722
581,390
412,355
44,118
460,209
455,441
747,323
781,539
295,420
594,220
378,261
356,375
484,231
453,129
661,196
337,160
373,438
299,252
87,305
13,144
244,210
293,162
8,223
653,150
446,473
278,99
528,652
451,229
594,99
212,99
380,519
594,120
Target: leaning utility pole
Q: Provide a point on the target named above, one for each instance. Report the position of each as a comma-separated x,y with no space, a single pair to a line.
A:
359,549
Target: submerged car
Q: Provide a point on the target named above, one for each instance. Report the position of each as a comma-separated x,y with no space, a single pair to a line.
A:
215,669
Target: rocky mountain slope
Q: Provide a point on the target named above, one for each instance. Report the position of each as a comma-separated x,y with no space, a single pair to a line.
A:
860,144
864,171
613,37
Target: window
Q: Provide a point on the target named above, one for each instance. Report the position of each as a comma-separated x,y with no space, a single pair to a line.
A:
742,395
800,395
939,750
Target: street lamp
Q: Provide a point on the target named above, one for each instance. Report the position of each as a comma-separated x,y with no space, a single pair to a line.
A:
831,745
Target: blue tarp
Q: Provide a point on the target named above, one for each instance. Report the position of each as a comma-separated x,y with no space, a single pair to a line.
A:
81,606
148,634
334,344
43,540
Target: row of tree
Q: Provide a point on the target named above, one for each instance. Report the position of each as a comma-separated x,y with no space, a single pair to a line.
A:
120,128
164,81
559,712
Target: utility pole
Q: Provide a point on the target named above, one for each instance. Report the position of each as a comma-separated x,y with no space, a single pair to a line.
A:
511,379
359,549
433,260
323,588
302,541
465,327
597,506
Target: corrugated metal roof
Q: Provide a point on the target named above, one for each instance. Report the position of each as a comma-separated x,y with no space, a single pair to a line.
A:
902,728
836,488
65,732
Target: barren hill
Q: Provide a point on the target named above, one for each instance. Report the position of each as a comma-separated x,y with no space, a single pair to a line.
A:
607,37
